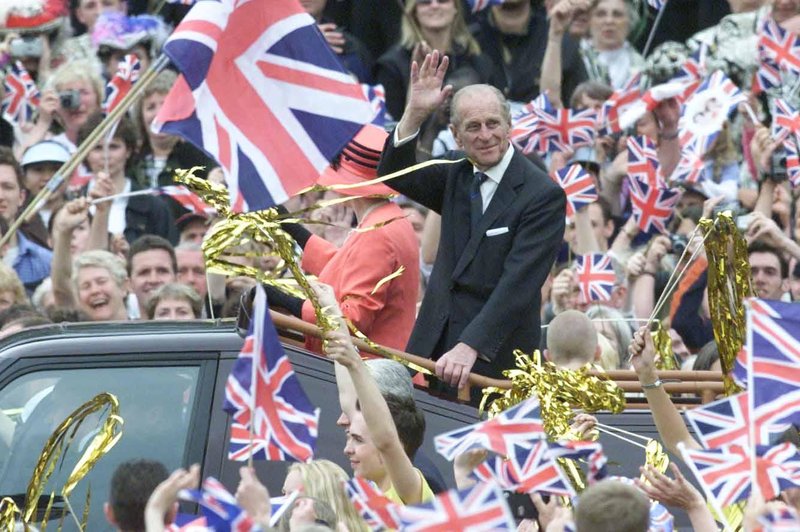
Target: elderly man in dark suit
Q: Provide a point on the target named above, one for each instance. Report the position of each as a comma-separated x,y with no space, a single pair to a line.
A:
502,223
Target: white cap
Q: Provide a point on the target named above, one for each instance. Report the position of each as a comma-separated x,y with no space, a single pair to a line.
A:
47,151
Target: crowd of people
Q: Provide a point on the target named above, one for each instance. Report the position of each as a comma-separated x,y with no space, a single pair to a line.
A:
460,261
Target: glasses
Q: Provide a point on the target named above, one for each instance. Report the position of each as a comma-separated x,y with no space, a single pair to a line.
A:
429,2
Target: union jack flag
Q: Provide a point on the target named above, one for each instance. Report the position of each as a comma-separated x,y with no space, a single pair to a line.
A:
784,519
566,127
480,5
475,509
279,505
261,92
774,352
590,452
767,76
525,129
691,72
519,424
709,107
792,161
127,74
779,46
643,160
374,508
652,205
691,167
724,474
376,96
785,121
528,469
578,185
21,95
725,422
263,392
595,276
188,199
619,101
219,508
649,101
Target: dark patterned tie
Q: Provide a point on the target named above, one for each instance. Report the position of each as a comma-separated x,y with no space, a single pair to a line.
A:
476,200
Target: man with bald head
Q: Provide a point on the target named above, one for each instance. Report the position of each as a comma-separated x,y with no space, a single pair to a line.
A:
502,223
571,340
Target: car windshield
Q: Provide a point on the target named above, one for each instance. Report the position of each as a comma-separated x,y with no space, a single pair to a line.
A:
156,405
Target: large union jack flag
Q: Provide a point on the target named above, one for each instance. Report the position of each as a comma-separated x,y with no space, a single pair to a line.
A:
725,474
726,422
567,128
475,509
774,359
527,469
21,95
219,508
188,199
519,424
262,93
374,508
263,392
779,46
578,185
127,74
595,276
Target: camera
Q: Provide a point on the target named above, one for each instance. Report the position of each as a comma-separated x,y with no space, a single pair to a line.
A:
777,166
70,99
29,46
679,243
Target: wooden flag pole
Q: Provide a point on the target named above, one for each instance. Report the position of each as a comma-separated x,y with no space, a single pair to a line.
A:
86,146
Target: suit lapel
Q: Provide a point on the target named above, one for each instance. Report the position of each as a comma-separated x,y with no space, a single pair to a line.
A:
503,197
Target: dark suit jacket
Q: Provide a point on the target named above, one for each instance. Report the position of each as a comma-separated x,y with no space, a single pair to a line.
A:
484,290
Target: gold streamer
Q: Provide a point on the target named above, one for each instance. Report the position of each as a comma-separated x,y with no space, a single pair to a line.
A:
558,391
382,351
388,278
663,344
56,445
8,513
728,286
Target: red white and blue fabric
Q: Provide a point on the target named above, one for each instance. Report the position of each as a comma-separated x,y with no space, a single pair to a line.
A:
376,96
704,113
724,474
779,46
219,508
373,506
480,5
262,93
567,128
691,73
619,101
785,121
519,424
589,452
21,95
726,422
773,346
594,273
128,71
526,132
643,160
792,162
263,392
526,469
188,199
279,505
475,509
578,185
784,519
691,166
766,77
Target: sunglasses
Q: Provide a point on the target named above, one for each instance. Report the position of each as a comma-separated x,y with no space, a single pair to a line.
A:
428,2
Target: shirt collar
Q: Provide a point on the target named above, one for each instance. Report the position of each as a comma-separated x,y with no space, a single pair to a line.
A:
23,244
496,172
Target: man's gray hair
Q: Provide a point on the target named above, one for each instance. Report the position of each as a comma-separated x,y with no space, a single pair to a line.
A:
455,116
391,377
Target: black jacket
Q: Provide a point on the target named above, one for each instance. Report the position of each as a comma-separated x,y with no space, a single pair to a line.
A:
149,215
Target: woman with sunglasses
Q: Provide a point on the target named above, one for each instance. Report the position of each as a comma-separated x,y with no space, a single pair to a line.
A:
437,25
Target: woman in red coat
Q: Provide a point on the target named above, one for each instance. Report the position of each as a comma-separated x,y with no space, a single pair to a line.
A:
383,242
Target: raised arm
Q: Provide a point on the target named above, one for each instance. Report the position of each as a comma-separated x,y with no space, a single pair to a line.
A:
425,93
67,220
405,479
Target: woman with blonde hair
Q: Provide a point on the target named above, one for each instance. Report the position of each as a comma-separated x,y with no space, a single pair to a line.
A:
324,480
439,25
12,292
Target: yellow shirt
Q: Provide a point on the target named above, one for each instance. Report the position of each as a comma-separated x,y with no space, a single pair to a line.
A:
426,494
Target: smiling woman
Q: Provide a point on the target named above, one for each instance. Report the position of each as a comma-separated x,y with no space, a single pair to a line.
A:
607,54
101,283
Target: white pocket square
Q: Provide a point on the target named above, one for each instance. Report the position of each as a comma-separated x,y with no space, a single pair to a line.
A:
497,231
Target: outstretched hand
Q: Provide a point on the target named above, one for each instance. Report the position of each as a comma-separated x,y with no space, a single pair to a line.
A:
426,91
643,355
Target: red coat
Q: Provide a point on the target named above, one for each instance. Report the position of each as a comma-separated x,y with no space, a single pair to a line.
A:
388,315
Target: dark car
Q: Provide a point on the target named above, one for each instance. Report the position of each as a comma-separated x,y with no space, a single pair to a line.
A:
169,378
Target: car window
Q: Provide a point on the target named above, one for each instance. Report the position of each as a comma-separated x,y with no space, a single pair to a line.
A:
156,404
